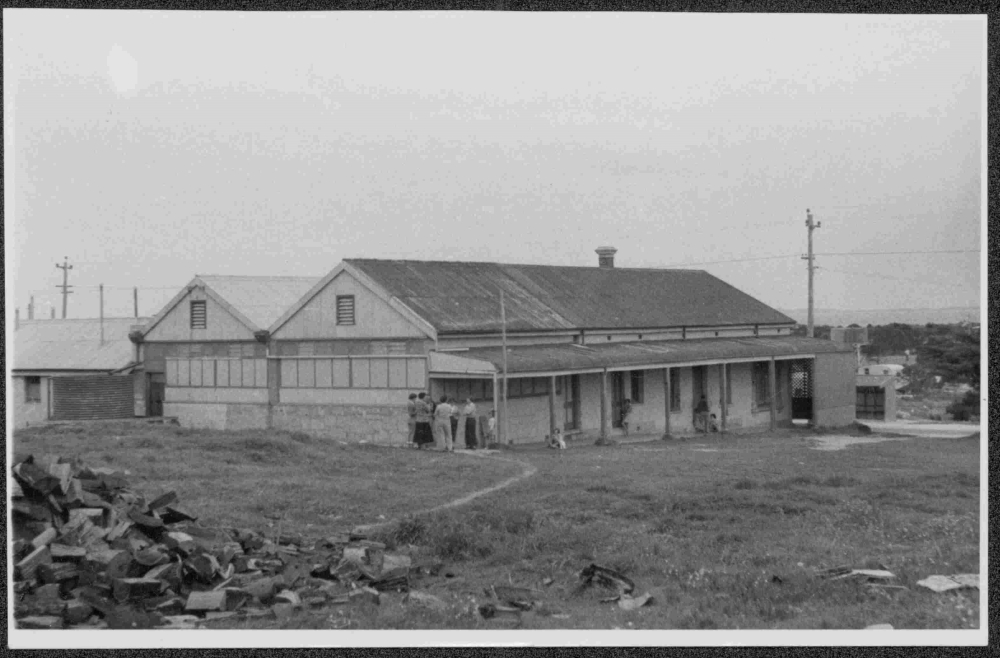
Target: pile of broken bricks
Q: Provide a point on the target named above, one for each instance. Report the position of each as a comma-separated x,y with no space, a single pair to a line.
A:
91,553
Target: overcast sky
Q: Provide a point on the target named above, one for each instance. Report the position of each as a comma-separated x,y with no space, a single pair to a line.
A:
152,146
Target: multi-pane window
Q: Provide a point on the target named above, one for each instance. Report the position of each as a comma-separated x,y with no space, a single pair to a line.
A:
638,386
32,389
675,389
199,314
345,309
761,385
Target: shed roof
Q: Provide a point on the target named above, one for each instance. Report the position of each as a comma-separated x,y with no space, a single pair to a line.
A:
459,297
570,357
74,344
262,299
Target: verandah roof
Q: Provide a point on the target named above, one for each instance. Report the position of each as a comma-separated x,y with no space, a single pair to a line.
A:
567,357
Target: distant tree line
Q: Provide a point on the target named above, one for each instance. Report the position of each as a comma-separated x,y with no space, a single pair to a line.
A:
948,351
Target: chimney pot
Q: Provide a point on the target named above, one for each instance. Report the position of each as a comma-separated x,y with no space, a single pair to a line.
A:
606,257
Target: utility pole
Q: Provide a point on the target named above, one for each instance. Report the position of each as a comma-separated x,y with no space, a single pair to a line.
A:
65,267
102,314
812,227
135,300
31,308
503,324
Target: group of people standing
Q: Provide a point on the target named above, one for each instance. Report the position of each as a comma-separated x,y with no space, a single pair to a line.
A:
445,423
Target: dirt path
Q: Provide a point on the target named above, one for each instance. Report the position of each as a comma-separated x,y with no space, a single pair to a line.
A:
527,470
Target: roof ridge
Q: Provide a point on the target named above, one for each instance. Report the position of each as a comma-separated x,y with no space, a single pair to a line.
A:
500,264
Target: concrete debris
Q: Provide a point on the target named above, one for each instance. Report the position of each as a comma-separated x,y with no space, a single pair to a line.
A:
626,602
948,583
89,552
606,578
426,600
838,573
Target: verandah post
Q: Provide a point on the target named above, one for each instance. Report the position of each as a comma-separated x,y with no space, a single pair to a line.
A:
666,403
772,384
552,407
723,384
604,407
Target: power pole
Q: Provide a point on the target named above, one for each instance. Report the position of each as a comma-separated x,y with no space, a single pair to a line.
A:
135,300
102,314
812,227
65,267
503,325
31,308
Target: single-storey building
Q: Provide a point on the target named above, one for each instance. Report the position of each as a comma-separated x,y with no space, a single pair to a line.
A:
218,320
876,396
341,359
61,370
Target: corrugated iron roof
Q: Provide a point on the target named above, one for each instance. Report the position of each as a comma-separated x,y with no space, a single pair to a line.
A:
569,357
262,299
74,344
465,297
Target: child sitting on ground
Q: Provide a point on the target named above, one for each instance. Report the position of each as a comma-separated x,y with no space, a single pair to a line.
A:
556,441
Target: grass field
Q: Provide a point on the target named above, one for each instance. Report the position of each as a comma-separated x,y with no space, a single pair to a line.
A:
707,526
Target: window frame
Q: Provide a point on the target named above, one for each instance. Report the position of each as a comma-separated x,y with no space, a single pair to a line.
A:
637,386
29,382
760,377
203,305
675,390
353,310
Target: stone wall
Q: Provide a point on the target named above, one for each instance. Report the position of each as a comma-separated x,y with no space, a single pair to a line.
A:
384,425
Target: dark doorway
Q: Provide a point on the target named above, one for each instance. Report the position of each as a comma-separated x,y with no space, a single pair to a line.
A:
871,403
617,397
802,389
156,383
572,402
698,376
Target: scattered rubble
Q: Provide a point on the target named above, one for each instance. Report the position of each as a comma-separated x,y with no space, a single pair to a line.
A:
91,553
869,575
948,583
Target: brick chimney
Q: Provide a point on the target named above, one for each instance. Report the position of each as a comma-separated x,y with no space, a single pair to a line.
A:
606,256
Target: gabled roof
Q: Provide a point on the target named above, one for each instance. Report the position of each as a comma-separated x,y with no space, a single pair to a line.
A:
74,344
256,301
458,297
262,299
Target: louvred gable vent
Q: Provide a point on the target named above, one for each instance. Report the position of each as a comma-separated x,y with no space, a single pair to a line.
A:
199,315
345,309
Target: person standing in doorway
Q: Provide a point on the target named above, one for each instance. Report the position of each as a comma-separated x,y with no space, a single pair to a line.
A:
411,420
626,414
442,425
701,415
491,429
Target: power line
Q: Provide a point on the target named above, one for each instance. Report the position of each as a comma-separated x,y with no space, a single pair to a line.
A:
733,260
887,253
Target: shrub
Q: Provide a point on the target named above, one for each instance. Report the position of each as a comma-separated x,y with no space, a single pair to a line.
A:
965,408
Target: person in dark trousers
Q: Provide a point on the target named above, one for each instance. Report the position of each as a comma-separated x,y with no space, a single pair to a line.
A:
467,417
423,435
411,420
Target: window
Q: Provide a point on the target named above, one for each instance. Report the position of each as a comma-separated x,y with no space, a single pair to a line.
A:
675,389
761,386
199,315
345,309
638,386
32,389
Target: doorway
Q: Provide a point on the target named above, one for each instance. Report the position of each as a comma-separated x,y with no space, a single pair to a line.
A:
155,385
802,398
571,402
699,374
617,397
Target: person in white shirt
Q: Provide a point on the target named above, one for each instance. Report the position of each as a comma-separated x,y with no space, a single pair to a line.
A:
491,431
442,425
